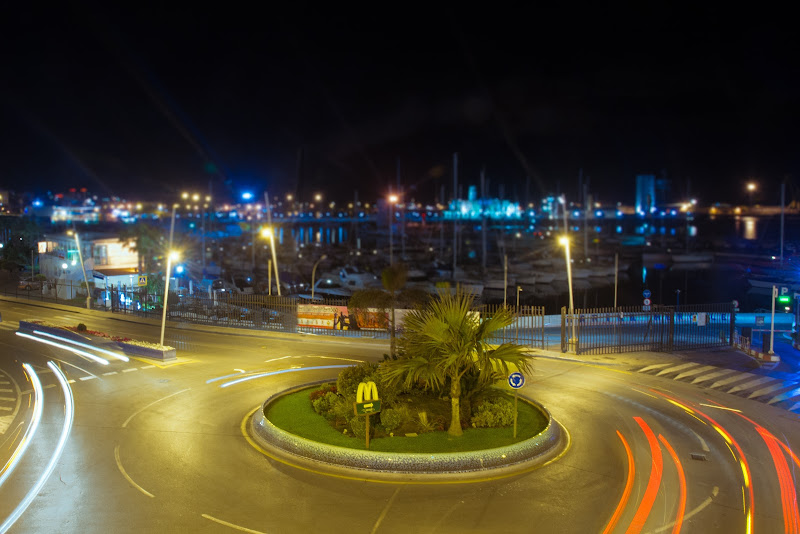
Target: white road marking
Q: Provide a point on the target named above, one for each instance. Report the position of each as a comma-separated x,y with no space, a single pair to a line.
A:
751,384
677,368
714,493
130,370
128,478
715,374
110,373
6,408
8,398
237,527
703,443
87,377
5,391
697,371
128,420
48,386
651,367
147,367
385,510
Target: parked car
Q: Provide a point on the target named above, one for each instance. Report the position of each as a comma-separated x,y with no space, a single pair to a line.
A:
29,284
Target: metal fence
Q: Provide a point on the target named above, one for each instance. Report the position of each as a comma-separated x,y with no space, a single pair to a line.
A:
527,327
258,312
661,329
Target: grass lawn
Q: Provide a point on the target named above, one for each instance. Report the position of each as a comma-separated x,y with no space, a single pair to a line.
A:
294,413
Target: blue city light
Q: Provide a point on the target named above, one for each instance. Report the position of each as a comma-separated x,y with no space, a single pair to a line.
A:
179,269
247,195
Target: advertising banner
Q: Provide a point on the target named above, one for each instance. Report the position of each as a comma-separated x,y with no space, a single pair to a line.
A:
327,317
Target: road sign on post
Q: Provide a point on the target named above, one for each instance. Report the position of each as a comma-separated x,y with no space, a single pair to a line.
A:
646,293
367,403
142,280
516,381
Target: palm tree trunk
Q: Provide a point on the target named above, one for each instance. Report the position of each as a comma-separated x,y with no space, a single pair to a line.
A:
455,406
391,332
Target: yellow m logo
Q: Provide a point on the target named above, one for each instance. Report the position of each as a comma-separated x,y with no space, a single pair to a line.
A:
367,391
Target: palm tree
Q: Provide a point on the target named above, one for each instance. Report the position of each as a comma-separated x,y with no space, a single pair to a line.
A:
143,239
393,278
445,340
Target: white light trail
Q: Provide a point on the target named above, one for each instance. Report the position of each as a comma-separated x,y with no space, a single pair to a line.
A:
69,405
79,352
85,345
262,375
31,430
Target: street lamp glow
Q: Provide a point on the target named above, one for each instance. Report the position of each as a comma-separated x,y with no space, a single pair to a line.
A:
751,186
268,233
247,195
318,197
64,266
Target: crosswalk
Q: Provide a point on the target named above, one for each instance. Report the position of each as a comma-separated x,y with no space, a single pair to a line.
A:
784,393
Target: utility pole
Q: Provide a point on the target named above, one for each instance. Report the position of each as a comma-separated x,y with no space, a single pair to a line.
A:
455,213
483,220
783,202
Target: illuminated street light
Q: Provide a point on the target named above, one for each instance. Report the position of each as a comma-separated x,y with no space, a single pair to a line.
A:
170,257
565,242
314,272
751,188
267,232
392,201
318,197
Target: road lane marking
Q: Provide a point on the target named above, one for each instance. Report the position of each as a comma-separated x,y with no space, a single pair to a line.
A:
130,370
677,368
703,443
87,378
147,367
385,510
110,373
237,527
694,372
128,420
75,366
128,478
700,507
752,383
6,409
5,391
8,398
48,386
715,374
71,381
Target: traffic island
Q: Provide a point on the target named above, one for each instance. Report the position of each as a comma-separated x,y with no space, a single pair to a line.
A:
464,466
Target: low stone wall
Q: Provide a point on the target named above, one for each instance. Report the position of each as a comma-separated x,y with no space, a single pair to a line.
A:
518,457
147,352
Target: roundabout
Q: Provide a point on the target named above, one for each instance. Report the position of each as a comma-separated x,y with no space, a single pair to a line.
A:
404,467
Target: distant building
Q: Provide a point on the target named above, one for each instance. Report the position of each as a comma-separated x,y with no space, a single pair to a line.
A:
651,193
106,259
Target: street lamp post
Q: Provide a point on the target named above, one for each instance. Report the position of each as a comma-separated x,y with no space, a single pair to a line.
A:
171,256
267,232
83,268
314,272
565,241
392,200
751,187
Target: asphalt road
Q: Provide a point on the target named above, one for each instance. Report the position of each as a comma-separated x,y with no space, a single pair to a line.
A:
160,449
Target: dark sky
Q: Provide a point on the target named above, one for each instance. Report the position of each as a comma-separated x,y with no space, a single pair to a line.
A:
146,101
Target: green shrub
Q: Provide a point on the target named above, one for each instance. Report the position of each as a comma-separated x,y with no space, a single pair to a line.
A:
493,413
81,327
391,419
323,389
351,377
424,424
359,426
324,405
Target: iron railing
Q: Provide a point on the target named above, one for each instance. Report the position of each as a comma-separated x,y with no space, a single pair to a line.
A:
660,328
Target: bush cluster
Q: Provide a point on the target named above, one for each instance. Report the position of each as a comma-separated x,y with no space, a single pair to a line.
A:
493,413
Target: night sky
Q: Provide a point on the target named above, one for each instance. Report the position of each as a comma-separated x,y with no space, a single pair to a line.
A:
144,102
